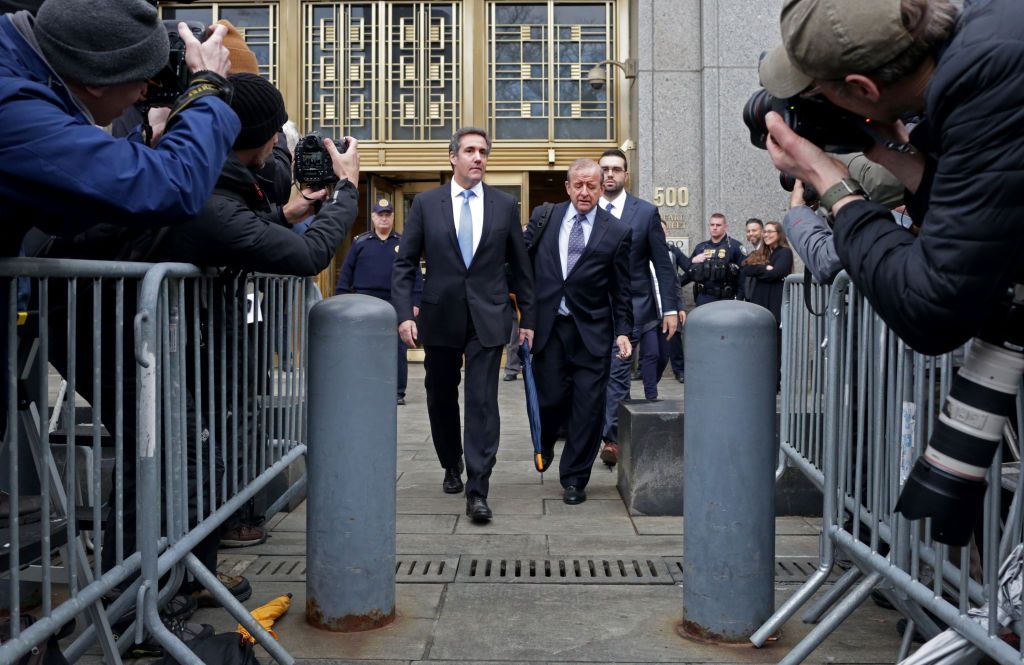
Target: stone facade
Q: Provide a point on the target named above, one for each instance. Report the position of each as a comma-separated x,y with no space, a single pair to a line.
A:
697,66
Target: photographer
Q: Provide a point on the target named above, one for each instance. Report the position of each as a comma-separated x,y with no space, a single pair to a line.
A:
962,168
239,226
79,64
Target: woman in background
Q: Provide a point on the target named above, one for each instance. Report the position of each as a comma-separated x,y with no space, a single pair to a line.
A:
763,274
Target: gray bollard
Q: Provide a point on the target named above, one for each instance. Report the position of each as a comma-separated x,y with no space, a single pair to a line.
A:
729,471
351,462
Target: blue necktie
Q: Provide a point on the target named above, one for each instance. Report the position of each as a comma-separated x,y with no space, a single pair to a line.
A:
609,206
466,227
576,243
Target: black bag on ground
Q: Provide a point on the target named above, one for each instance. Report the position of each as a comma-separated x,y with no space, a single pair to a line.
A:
220,649
47,653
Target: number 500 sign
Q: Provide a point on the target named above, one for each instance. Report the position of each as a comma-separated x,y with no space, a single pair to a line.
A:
670,197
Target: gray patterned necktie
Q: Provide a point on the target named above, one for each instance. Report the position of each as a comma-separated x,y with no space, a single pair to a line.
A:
576,243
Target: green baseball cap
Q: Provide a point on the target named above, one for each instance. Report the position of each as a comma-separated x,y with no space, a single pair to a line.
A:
828,39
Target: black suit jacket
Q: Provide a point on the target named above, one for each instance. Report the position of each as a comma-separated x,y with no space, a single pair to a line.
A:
648,246
450,290
597,291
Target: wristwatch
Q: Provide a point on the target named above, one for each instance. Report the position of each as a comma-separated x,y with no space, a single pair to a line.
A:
843,188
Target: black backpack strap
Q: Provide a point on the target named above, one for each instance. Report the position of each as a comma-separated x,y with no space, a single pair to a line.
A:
539,230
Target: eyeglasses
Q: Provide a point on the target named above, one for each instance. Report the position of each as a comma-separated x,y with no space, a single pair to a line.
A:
612,169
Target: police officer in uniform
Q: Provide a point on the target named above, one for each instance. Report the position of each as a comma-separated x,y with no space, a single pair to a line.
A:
715,265
367,270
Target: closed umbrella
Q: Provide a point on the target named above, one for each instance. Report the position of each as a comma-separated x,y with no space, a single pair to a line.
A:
532,404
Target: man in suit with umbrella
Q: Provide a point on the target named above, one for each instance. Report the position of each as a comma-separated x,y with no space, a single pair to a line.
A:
582,289
467,232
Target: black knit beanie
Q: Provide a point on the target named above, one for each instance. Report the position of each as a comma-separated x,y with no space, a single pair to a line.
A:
102,42
260,108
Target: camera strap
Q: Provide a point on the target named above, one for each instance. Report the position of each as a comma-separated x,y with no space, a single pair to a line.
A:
807,295
204,84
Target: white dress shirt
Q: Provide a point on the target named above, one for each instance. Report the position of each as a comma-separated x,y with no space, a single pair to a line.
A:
618,204
563,243
476,206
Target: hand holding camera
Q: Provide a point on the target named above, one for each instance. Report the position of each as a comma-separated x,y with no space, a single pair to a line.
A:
346,160
319,163
209,55
797,156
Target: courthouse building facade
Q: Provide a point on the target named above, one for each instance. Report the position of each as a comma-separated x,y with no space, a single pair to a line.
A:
401,76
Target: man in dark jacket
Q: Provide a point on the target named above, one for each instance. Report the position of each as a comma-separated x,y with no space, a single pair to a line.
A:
239,227
961,165
581,262
80,64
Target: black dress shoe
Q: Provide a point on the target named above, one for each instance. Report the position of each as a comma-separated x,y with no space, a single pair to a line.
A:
476,508
452,480
574,495
510,377
401,400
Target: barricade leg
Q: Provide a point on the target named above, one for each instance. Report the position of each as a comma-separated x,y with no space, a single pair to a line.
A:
352,462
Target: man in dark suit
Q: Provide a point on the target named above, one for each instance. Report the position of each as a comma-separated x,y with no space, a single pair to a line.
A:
581,271
650,317
467,232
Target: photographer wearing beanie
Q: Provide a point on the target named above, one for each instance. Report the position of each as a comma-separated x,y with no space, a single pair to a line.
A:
962,166
74,68
239,227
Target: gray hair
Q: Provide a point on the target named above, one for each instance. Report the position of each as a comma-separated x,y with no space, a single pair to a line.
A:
583,164
456,142
291,135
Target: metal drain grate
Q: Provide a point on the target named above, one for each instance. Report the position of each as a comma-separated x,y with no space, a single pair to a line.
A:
788,569
420,569
564,571
277,569
408,569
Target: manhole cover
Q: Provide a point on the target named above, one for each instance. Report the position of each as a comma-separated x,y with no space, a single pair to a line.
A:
591,570
408,569
788,569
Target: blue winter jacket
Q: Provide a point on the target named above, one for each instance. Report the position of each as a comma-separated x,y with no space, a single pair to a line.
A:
63,174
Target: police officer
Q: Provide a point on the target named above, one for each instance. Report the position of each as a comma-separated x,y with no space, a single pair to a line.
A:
715,268
367,270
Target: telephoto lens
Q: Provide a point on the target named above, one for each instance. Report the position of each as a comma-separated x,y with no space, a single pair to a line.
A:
947,482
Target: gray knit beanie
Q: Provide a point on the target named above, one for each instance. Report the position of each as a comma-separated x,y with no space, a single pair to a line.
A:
102,42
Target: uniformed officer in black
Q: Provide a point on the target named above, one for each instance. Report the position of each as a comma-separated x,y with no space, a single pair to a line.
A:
367,270
715,264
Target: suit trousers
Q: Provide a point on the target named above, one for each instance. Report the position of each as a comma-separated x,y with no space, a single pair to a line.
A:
571,390
619,377
653,360
403,367
443,366
675,352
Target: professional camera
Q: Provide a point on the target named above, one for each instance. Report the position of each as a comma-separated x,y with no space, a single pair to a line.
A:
788,182
313,165
815,118
171,81
947,482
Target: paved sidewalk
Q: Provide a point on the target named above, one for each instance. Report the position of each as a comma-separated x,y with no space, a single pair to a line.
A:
445,615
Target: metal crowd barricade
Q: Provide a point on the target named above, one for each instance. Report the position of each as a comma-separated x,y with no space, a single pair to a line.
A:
802,403
195,381
882,403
